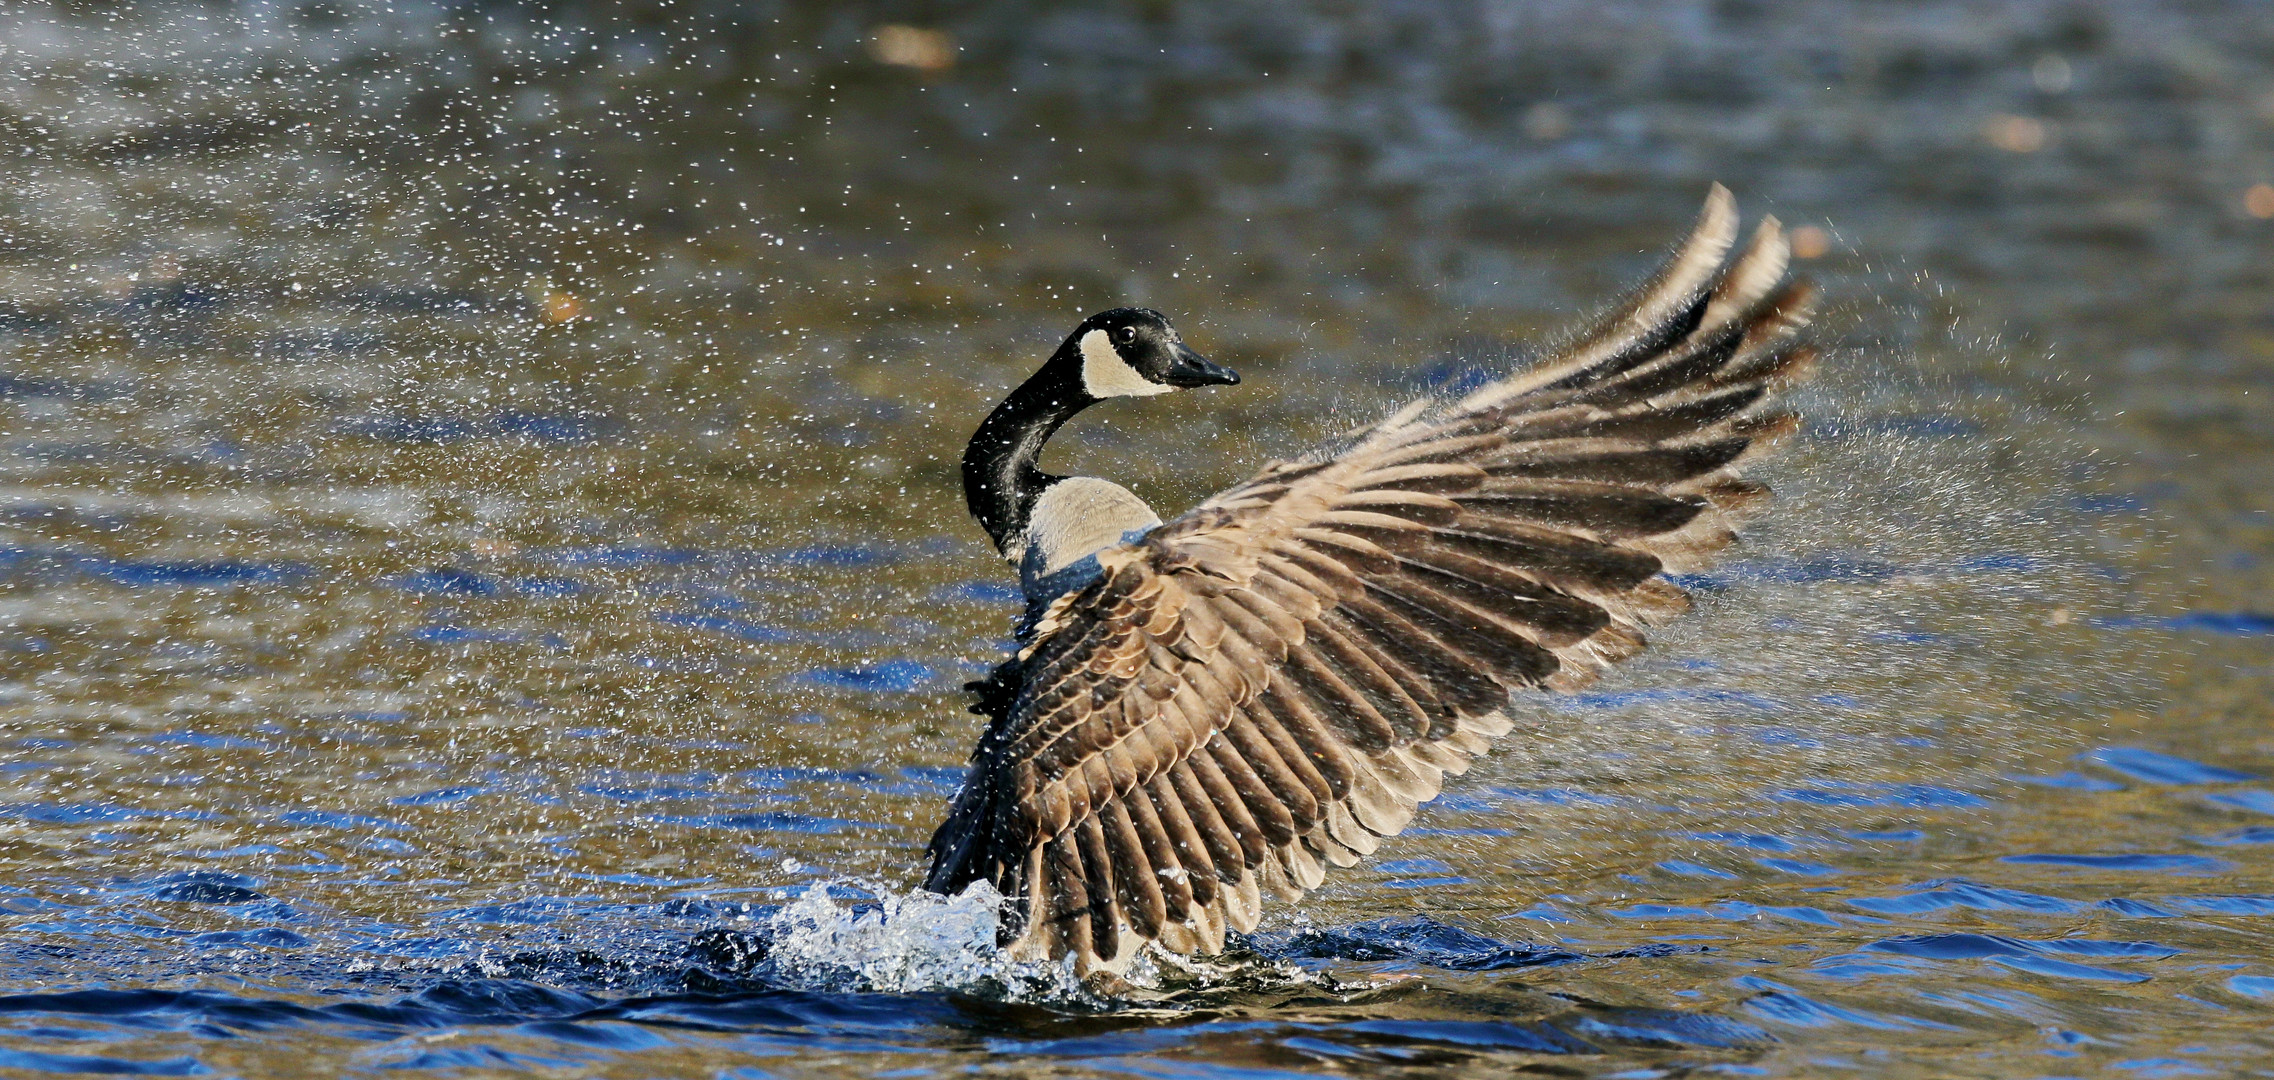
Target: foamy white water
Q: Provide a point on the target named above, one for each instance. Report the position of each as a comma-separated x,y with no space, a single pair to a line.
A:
910,942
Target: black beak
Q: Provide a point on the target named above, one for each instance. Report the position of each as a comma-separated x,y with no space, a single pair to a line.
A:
1192,369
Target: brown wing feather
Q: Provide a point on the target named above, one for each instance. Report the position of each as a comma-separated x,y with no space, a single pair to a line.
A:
1271,683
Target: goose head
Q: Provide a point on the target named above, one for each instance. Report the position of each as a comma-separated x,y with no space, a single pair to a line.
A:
1134,352
1125,352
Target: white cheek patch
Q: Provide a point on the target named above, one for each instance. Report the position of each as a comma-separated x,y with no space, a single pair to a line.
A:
1106,375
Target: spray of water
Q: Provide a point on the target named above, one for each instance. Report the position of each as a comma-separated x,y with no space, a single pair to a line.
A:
908,942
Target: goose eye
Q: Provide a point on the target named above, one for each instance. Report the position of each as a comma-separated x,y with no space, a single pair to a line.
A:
1128,333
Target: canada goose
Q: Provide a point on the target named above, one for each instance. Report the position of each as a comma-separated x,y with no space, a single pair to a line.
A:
1213,709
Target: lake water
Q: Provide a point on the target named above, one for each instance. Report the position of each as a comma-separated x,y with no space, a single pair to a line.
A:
483,582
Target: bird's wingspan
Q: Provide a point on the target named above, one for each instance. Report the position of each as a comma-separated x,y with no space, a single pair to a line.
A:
1269,684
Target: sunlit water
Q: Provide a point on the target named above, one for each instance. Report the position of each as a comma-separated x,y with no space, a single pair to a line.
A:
483,586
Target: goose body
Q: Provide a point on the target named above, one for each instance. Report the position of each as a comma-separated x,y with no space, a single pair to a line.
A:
1208,711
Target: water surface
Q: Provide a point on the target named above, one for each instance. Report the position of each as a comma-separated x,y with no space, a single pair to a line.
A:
481,560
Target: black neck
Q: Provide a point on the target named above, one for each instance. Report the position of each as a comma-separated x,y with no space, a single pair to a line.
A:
1000,477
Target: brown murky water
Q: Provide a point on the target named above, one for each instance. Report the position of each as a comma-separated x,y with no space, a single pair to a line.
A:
477,511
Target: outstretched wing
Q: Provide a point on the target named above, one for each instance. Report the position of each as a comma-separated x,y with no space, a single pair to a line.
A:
1271,683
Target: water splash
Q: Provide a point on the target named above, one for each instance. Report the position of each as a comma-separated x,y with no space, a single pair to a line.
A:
906,942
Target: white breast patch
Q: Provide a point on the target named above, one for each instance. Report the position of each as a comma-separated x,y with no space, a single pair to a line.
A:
1106,375
1080,516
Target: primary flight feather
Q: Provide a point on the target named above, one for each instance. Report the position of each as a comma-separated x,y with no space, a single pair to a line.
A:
1208,711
